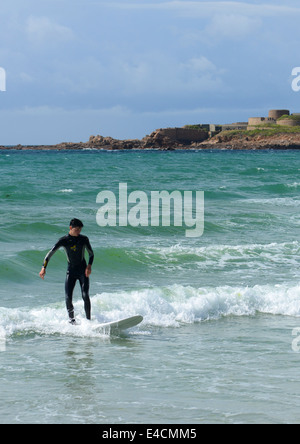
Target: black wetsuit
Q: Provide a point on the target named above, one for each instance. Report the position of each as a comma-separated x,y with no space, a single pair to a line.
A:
75,248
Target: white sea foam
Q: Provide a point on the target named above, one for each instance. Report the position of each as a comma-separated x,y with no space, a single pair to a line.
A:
277,201
161,307
2,339
220,255
293,185
173,305
42,320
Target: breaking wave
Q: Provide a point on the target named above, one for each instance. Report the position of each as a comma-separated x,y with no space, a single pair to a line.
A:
163,307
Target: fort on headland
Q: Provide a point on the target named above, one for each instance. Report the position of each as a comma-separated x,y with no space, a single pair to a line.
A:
276,117
276,128
202,132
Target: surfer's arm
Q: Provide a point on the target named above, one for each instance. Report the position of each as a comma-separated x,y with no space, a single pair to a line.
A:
48,257
90,252
88,270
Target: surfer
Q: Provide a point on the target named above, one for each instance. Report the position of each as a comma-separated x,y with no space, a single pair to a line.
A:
75,245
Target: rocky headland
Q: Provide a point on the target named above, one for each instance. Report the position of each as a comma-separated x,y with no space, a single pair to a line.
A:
244,141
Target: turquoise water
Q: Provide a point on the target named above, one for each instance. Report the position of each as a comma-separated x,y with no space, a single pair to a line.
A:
216,343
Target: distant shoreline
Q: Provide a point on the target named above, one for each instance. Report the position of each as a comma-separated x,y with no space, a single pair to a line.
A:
227,140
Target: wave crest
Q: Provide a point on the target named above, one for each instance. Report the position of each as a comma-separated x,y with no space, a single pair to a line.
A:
161,307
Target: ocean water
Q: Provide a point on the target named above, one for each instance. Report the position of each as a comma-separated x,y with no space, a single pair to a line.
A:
219,341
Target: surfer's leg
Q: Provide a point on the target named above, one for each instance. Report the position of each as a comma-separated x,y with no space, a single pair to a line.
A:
85,288
69,288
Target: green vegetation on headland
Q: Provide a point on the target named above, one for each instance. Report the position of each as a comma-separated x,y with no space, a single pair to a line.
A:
294,117
197,127
267,131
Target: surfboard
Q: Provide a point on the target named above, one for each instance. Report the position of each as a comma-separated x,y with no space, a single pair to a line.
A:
122,324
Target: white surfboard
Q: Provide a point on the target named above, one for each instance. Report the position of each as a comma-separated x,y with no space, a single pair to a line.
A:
121,324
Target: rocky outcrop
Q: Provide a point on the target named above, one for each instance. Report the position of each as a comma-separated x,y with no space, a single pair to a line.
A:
174,138
109,143
258,142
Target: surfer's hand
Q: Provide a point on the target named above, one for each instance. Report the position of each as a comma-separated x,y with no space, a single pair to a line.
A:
88,270
42,273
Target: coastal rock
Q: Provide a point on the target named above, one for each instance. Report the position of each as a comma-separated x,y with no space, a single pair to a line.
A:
158,140
243,142
109,143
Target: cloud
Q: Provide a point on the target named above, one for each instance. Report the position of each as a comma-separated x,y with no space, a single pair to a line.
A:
159,73
217,19
152,80
232,26
198,9
41,29
200,65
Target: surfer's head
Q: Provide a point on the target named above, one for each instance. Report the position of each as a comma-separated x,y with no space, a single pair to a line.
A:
75,227
76,223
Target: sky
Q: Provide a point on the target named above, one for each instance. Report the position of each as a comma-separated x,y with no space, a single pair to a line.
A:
76,68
